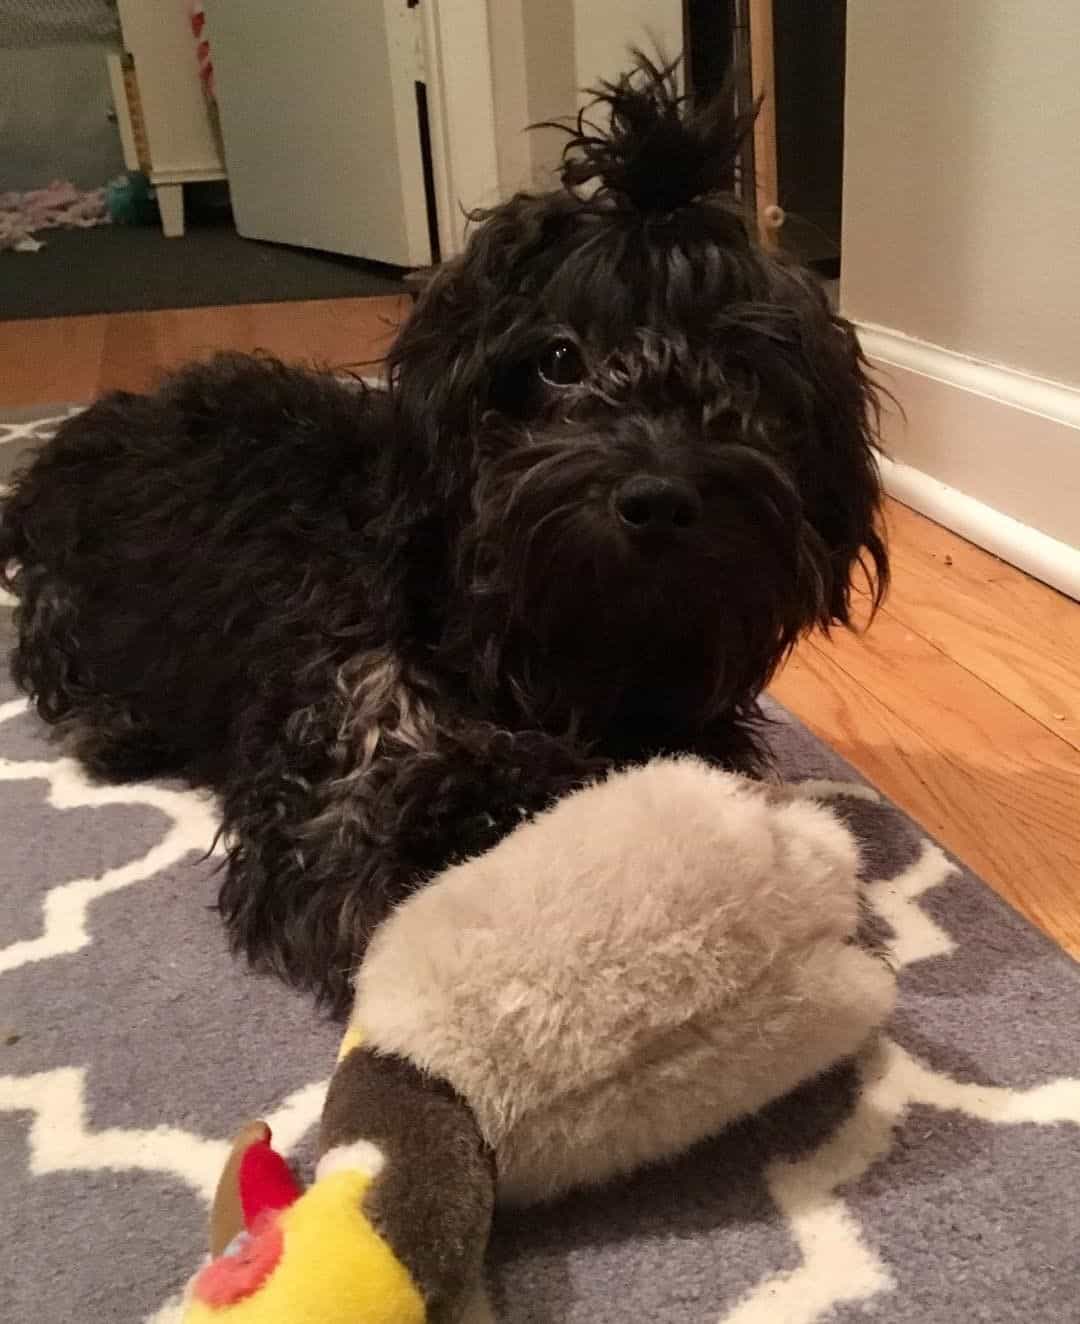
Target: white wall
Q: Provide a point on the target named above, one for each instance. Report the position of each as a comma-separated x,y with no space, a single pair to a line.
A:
962,232
544,52
962,194
605,29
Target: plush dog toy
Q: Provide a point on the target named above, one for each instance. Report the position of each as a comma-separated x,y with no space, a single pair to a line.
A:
656,956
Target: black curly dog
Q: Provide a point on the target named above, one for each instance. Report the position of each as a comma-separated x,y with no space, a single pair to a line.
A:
624,462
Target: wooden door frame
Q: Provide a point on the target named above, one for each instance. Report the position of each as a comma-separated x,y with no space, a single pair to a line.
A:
763,78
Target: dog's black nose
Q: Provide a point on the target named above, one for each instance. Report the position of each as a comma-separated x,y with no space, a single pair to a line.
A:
647,504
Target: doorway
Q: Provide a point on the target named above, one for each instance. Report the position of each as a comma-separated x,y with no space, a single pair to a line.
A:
808,56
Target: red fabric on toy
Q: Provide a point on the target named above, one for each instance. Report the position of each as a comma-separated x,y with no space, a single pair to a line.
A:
243,1270
266,1182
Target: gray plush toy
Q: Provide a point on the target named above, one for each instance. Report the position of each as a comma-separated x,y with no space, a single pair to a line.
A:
657,956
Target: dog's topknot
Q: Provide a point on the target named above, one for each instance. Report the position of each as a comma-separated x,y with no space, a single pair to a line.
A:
660,150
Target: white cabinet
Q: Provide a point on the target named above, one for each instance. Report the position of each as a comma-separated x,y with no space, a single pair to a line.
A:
171,131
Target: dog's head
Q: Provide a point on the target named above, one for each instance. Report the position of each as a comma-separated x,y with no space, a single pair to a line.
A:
639,447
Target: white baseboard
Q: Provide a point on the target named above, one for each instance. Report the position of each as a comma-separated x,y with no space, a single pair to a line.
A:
1054,562
985,450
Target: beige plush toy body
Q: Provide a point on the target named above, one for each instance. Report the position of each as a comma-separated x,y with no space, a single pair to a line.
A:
655,957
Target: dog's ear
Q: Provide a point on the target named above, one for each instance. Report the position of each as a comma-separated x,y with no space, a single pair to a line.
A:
466,322
429,361
842,482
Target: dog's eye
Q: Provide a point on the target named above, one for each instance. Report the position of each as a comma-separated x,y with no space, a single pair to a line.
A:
561,364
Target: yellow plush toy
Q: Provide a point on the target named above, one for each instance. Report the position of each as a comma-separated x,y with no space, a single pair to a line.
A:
392,1231
655,957
316,1258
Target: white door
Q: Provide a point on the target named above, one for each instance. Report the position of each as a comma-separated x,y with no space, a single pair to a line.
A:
320,114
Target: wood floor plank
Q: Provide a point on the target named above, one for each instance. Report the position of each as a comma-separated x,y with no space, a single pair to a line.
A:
1020,637
72,359
346,333
130,354
988,781
53,361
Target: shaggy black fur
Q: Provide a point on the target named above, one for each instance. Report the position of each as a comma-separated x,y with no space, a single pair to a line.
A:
624,463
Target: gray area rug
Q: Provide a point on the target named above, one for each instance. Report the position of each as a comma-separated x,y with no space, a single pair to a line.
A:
126,268
937,1182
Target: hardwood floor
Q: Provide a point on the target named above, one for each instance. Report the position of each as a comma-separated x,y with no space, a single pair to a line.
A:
961,702
71,359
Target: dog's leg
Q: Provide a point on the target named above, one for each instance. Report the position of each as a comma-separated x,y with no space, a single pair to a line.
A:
334,824
50,663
